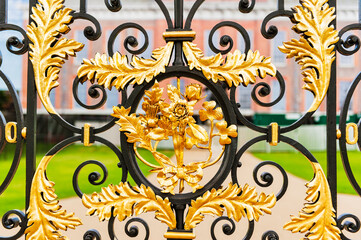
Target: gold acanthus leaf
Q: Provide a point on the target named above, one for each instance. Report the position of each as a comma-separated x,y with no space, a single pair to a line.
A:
48,50
131,125
314,51
239,202
44,215
317,218
238,68
115,71
123,201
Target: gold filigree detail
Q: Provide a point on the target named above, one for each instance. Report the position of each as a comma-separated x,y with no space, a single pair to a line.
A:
315,49
354,127
317,218
44,215
238,68
115,71
238,202
123,201
11,132
175,119
48,50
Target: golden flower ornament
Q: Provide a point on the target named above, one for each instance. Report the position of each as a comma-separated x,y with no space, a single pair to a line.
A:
174,118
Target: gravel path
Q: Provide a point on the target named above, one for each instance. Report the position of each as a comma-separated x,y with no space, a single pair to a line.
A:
291,203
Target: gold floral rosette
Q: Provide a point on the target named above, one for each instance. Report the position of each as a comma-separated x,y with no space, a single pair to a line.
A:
175,119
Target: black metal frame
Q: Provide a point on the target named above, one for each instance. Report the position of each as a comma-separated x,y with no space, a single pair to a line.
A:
231,109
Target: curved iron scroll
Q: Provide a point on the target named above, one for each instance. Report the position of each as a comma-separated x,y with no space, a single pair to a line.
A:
182,195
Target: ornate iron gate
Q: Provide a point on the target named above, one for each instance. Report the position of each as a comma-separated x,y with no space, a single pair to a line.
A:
181,210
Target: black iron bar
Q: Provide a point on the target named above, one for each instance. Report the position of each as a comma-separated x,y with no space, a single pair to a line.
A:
331,129
3,11
83,4
178,25
30,123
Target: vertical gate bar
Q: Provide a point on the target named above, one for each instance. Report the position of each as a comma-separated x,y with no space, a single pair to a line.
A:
178,25
3,11
30,122
331,129
83,5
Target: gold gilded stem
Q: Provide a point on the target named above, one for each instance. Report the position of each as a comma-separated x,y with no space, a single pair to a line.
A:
216,160
141,158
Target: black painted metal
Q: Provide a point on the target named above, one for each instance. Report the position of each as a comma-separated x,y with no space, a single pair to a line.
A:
15,219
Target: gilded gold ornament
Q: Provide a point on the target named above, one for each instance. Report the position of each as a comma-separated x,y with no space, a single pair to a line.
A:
44,215
317,218
238,202
123,201
314,51
10,132
179,235
48,50
354,127
175,119
178,34
274,134
238,68
115,71
86,135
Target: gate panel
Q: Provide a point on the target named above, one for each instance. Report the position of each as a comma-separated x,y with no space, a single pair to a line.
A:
163,101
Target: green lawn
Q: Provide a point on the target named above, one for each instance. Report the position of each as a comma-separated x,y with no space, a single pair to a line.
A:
61,169
298,165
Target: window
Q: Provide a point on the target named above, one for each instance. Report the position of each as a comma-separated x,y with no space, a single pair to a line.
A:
148,52
278,58
207,50
112,98
245,98
275,92
343,87
79,37
241,43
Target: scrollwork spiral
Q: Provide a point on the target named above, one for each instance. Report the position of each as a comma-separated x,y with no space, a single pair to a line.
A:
129,41
94,91
263,89
13,219
92,234
349,226
94,178
267,178
226,40
270,235
246,6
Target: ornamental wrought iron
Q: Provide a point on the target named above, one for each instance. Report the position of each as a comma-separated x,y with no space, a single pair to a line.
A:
168,113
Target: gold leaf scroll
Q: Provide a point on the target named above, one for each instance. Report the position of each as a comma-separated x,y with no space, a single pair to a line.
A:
124,201
238,68
48,50
239,202
44,215
115,71
317,218
315,49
